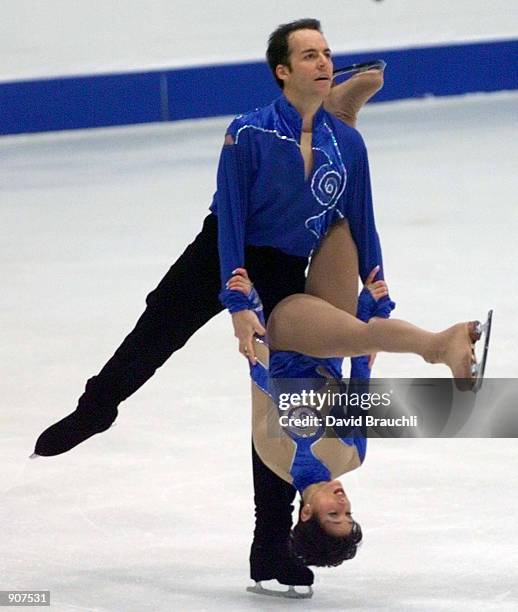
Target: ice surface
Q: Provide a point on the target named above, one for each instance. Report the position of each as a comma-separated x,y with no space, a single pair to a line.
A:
156,514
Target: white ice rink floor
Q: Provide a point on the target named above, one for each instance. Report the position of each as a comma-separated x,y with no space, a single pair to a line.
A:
156,514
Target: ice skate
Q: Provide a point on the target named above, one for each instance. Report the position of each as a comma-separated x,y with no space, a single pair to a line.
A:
75,428
290,593
478,369
277,563
460,356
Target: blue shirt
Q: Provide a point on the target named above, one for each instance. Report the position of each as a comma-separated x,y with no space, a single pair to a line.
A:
264,199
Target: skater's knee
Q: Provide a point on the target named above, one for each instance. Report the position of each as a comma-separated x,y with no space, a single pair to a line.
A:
373,326
370,332
150,298
287,306
278,321
154,298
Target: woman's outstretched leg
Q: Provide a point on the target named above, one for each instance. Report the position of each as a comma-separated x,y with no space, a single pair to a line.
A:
309,325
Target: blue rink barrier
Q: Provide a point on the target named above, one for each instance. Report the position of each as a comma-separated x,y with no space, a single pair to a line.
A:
206,91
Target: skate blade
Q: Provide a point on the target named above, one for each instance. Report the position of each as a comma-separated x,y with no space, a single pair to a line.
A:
478,369
34,456
291,593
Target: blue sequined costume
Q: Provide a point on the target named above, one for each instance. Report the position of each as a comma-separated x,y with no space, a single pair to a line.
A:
264,199
288,366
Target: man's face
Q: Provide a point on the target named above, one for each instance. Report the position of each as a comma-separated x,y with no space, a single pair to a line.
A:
311,67
332,507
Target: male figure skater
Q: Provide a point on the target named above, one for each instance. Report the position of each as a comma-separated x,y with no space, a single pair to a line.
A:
281,182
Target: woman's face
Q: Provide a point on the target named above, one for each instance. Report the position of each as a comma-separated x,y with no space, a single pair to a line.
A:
332,507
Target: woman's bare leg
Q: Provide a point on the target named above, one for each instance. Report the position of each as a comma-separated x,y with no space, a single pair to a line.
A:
333,273
322,322
309,325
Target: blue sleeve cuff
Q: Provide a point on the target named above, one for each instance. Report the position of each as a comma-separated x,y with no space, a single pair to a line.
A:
368,307
236,301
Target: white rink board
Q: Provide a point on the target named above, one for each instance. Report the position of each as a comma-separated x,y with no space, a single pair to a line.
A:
71,37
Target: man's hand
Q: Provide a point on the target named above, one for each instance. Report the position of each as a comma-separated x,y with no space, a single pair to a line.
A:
377,289
246,324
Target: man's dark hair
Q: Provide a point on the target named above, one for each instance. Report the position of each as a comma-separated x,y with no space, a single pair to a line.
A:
278,50
314,546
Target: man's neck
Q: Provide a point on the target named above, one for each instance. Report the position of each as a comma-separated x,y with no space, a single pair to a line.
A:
306,107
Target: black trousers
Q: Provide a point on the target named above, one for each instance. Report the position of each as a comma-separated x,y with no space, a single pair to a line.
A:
185,299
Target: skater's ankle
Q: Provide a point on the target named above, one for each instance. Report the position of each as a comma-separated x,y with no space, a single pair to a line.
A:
435,351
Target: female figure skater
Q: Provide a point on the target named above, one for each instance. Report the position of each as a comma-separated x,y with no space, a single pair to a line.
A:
308,337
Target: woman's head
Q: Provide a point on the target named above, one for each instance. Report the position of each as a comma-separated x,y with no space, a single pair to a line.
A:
327,502
326,534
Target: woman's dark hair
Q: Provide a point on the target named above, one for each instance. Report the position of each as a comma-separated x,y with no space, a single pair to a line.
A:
314,546
278,50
